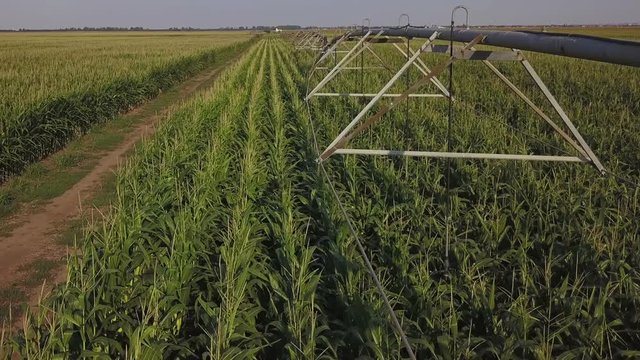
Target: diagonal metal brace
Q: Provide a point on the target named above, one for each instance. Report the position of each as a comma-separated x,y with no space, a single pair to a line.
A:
378,96
535,108
331,49
347,134
574,131
350,56
424,69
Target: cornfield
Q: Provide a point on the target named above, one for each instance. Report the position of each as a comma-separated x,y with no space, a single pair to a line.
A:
225,242
53,87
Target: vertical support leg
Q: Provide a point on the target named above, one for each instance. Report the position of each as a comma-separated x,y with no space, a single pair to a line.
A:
407,83
563,116
362,71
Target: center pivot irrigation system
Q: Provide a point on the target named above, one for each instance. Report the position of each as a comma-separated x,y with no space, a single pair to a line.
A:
346,49
338,55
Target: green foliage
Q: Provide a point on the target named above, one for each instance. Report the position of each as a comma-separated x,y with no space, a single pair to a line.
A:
539,252
224,241
59,107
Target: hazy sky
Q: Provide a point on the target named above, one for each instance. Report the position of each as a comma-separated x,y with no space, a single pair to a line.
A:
218,13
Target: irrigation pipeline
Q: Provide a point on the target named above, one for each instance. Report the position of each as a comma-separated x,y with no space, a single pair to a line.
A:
354,233
613,51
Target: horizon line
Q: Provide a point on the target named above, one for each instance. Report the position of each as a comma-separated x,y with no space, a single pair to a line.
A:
292,27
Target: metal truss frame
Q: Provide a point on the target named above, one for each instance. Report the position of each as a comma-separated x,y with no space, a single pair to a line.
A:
466,52
309,40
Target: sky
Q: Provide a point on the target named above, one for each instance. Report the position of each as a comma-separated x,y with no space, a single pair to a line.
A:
47,14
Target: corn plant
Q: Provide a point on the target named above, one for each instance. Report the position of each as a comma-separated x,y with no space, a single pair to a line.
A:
225,240
55,93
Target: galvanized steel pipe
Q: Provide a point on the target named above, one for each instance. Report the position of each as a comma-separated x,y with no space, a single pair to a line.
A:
612,51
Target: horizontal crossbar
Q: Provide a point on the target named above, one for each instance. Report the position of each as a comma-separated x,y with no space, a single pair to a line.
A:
453,155
461,54
384,95
354,68
380,40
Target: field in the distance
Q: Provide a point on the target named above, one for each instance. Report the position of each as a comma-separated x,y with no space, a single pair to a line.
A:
54,85
37,66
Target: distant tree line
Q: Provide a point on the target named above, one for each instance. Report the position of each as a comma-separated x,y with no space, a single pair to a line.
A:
271,28
86,28
140,28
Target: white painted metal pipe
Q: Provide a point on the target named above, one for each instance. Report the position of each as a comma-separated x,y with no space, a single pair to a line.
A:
373,95
453,155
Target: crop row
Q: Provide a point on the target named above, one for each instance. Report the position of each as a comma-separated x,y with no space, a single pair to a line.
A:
186,264
42,106
542,256
224,240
